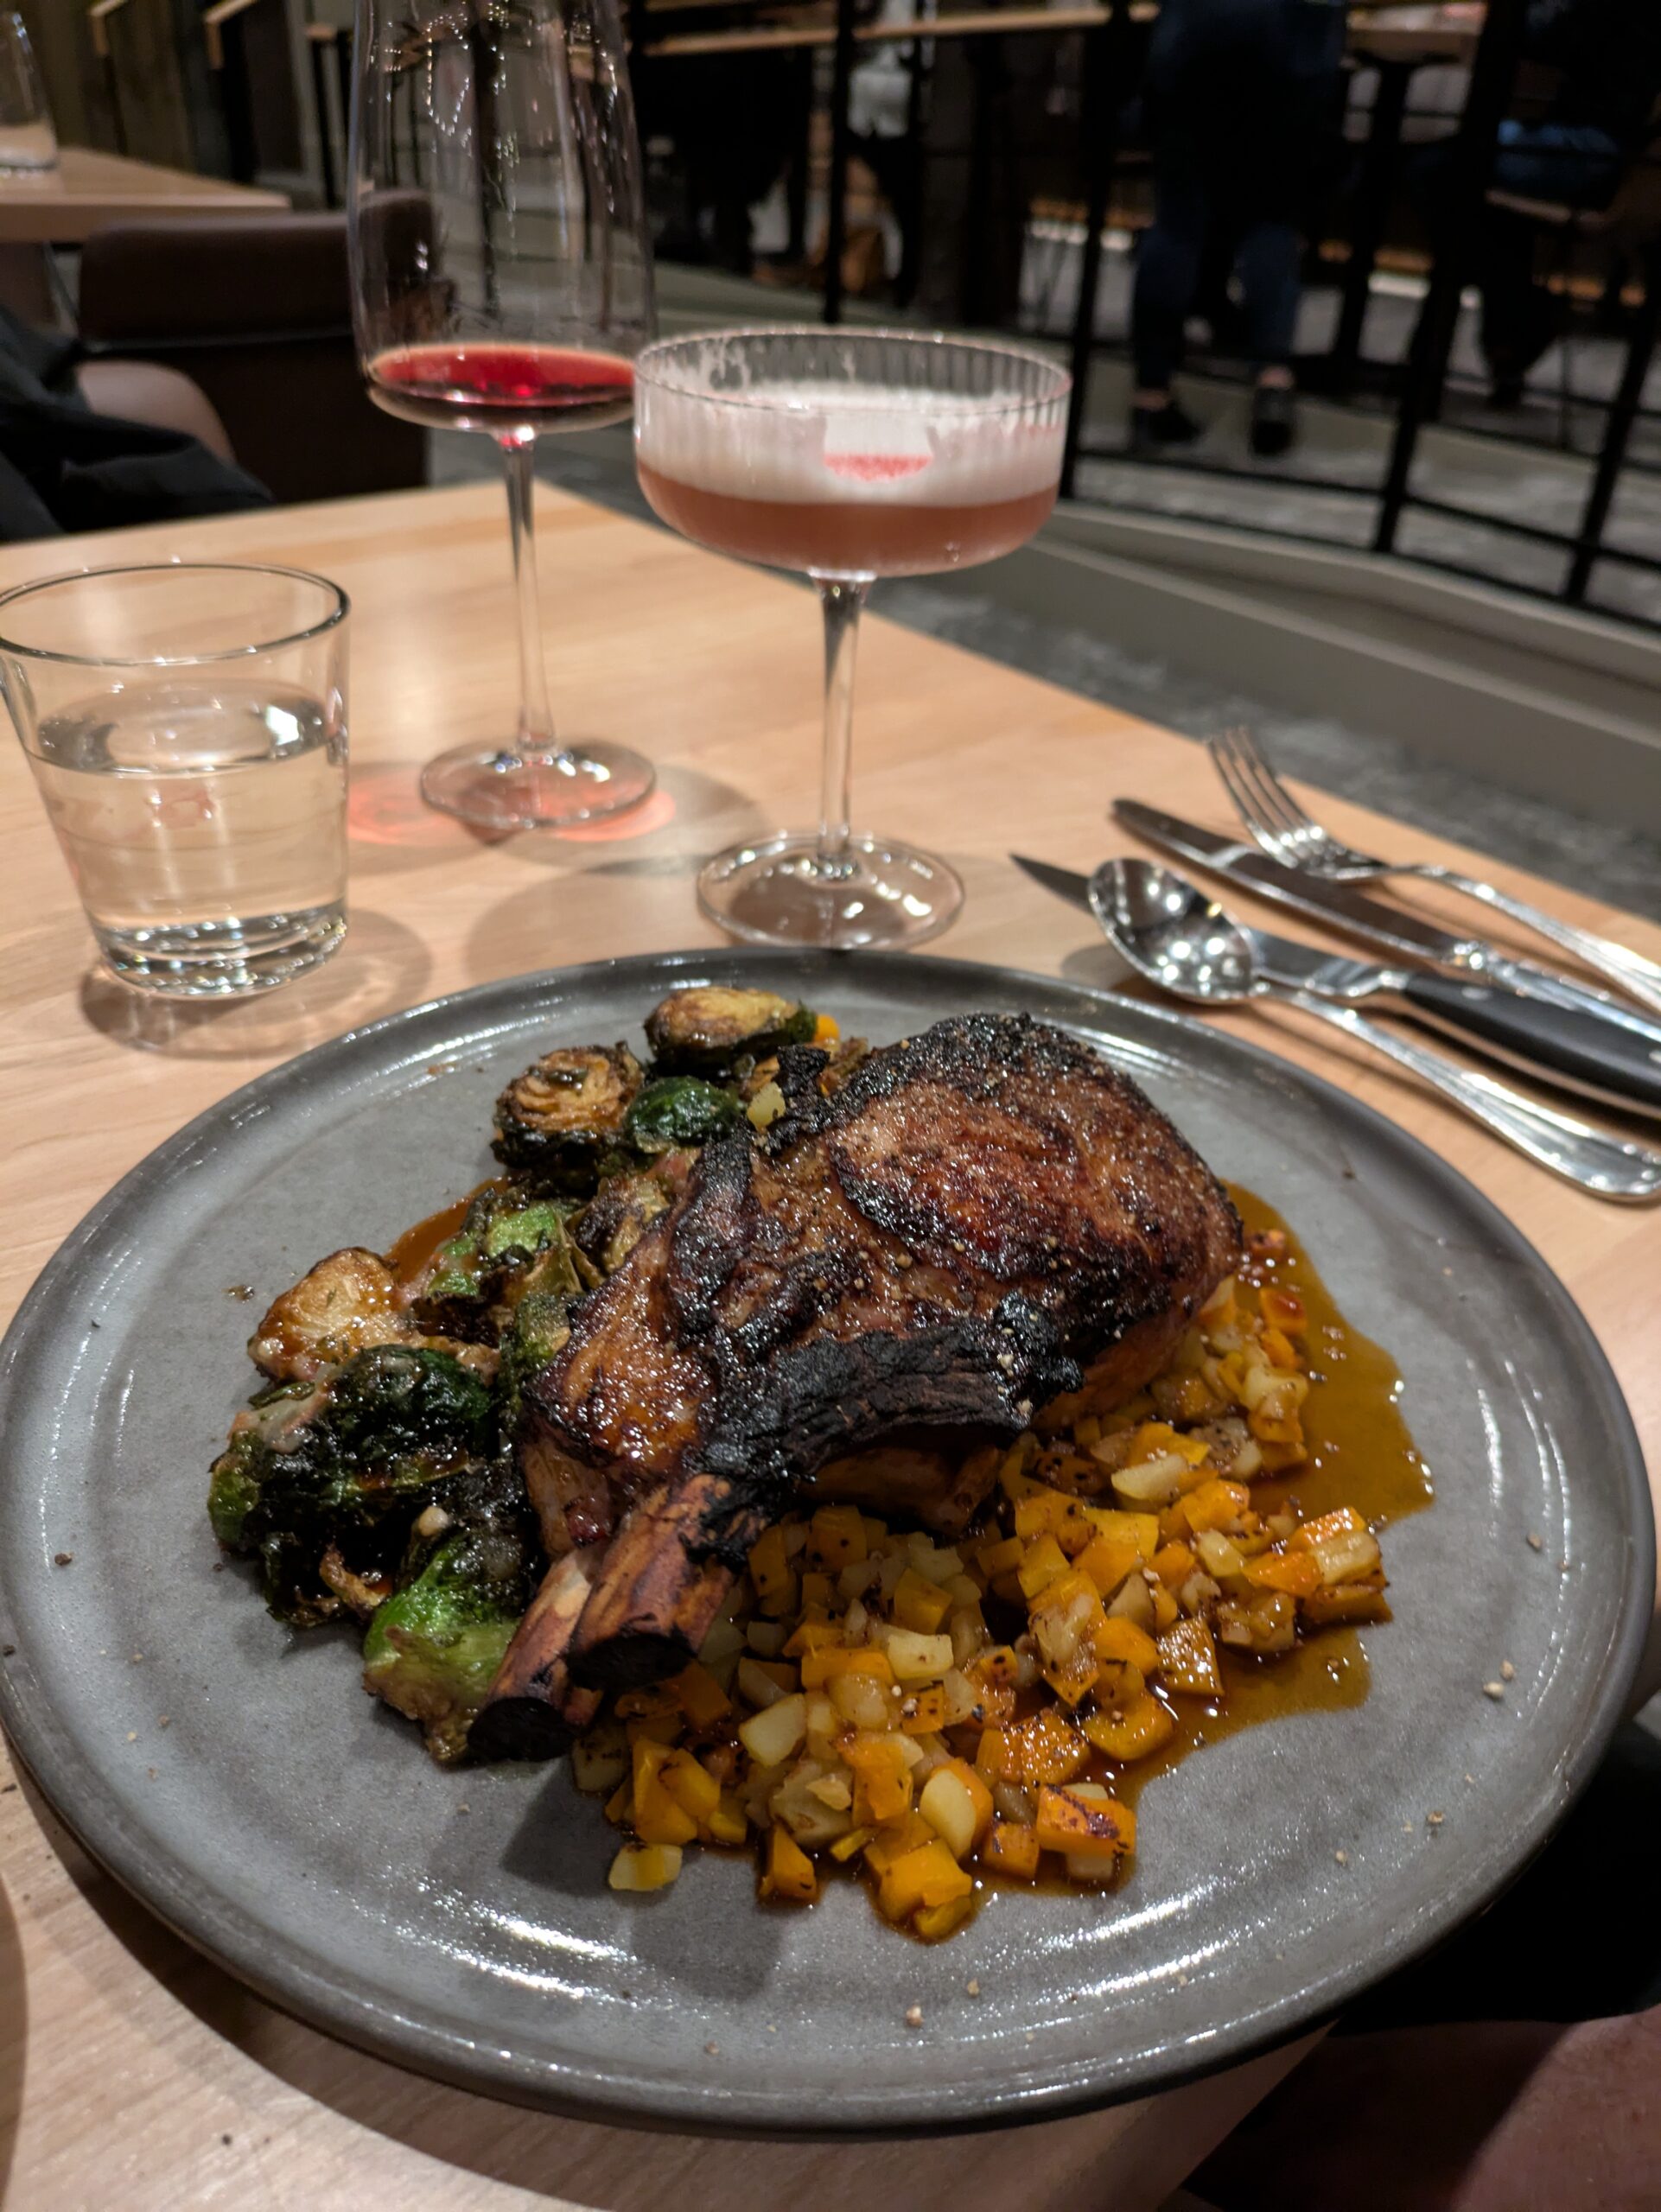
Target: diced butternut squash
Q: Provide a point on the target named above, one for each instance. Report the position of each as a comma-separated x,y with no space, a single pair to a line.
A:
693,1788
924,1711
644,1866
1141,1529
1174,1564
920,1603
927,1876
1298,1573
1043,1748
1107,1560
789,1871
1343,1546
1187,1660
1042,1563
893,1842
727,1823
1216,1505
655,1816
1012,1849
934,1923
828,1660
1346,1601
1115,1637
770,1571
836,1537
1084,1823
882,1789
700,1697
1134,1731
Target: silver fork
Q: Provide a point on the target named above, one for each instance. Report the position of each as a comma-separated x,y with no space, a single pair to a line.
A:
1282,829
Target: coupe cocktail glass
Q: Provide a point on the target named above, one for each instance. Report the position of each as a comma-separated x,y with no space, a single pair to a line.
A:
849,455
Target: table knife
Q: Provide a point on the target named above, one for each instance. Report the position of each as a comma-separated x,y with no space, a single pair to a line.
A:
1572,1046
1347,908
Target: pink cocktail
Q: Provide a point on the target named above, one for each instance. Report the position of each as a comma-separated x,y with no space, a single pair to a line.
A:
847,457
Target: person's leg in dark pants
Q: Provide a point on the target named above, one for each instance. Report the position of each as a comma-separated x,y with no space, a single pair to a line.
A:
1270,287
1167,280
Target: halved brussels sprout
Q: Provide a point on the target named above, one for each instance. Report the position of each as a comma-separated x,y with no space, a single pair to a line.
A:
348,1302
561,1122
708,1030
680,1110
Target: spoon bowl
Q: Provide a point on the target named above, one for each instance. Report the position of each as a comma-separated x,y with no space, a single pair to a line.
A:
1171,933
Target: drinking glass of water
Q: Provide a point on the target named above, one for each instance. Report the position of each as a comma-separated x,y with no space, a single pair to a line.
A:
29,144
186,726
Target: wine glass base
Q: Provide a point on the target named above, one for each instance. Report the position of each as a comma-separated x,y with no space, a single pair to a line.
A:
884,898
497,787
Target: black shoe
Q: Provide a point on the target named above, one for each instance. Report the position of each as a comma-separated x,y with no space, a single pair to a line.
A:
1273,420
1152,428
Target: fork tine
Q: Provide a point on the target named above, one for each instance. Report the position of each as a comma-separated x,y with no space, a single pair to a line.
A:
1275,803
1286,807
1226,759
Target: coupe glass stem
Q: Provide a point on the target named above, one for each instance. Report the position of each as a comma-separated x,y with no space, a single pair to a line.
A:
842,601
536,715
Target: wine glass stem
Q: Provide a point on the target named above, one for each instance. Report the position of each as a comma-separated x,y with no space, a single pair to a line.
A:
842,601
536,717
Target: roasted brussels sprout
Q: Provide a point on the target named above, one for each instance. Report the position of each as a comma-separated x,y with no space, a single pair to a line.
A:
433,1649
536,1332
473,1276
346,1303
611,1224
680,1110
708,1031
561,1122
346,1466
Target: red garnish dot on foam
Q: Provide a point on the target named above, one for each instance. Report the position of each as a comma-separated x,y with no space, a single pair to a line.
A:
876,467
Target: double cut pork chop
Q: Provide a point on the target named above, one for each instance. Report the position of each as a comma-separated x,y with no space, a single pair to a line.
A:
979,1219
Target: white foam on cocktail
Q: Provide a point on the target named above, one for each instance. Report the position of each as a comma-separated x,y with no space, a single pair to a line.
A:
791,442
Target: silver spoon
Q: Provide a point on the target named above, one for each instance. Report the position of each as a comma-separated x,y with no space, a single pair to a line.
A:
1171,933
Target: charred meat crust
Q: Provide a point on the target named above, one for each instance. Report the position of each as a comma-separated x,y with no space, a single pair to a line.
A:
974,1216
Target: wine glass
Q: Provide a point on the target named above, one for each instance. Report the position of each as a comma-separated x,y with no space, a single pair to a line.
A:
501,282
849,456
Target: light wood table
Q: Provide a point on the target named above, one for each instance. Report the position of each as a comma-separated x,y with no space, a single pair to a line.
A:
64,205
135,2075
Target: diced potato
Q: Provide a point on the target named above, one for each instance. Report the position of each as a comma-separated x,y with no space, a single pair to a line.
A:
1141,1727
1012,1850
957,1806
934,1562
832,1791
776,1733
918,1604
789,1873
644,1866
724,1639
862,1702
917,1658
1187,1660
1219,1557
1151,1482
1347,1601
760,1684
1135,1602
600,1760
1344,1546
928,1876
766,1639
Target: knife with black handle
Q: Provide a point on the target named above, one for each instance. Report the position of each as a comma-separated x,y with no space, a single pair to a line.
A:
1616,1062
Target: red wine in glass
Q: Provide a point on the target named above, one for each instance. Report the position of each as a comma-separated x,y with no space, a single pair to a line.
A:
501,283
506,389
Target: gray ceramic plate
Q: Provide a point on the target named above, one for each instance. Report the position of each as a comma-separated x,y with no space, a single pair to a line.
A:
461,1921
